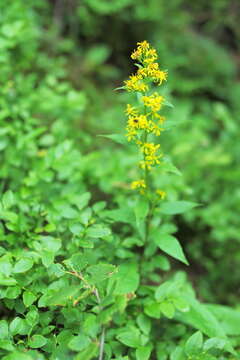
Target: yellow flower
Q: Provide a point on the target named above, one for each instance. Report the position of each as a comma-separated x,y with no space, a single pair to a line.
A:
142,48
135,84
151,157
155,129
160,76
131,110
161,194
131,133
138,122
154,101
138,184
141,121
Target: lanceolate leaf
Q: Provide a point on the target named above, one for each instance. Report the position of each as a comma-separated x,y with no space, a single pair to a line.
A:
171,246
177,207
120,139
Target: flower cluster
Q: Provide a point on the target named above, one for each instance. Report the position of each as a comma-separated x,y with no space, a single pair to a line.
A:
148,69
144,120
139,184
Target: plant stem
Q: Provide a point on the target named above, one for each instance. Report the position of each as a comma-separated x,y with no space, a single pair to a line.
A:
102,338
102,341
94,290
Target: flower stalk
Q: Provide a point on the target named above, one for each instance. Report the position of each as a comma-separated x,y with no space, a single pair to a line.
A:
145,123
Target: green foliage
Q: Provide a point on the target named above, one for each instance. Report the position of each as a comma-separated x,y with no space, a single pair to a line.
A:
74,265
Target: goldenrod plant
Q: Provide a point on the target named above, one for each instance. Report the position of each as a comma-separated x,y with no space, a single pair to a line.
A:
88,267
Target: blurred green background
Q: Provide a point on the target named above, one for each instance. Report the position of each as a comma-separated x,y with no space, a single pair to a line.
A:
61,61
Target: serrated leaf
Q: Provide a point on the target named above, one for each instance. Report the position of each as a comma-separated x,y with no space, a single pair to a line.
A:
127,279
77,262
60,297
100,272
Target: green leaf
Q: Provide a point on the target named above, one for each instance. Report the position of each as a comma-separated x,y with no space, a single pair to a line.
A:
6,345
100,272
98,231
37,341
204,320
61,297
23,265
171,246
28,298
78,343
17,356
127,279
13,292
32,316
167,309
164,290
153,310
120,139
194,344
47,258
76,229
5,265
178,354
214,343
229,318
89,353
50,244
167,166
77,261
130,338
8,199
3,329
16,326
143,352
144,323
83,200
177,207
7,281
121,215
69,212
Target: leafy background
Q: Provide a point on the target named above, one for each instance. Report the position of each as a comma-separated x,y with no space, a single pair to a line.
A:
65,196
